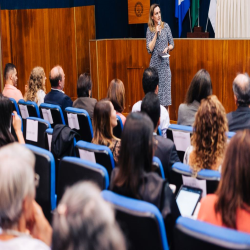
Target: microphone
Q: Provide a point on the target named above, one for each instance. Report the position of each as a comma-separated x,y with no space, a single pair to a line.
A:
158,33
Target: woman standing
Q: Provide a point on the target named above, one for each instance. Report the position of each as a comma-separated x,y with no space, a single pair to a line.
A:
159,40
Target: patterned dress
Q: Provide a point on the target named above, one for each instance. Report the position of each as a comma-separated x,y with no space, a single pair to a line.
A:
161,64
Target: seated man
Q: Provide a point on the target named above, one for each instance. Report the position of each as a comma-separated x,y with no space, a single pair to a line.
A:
240,119
165,149
150,83
10,76
56,96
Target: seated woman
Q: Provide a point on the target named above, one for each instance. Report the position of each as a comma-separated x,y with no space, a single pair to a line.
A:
5,122
83,220
36,89
84,100
134,177
230,206
199,88
104,120
209,138
116,94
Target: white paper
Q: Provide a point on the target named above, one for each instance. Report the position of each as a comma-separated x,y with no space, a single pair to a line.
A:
193,182
47,115
86,155
73,121
181,140
24,111
32,130
49,140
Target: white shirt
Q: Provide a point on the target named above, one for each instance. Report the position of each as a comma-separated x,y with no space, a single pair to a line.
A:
40,96
164,117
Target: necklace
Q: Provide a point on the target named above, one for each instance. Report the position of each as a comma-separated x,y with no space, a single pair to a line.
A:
15,233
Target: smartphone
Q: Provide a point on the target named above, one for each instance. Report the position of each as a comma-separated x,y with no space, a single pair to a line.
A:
187,199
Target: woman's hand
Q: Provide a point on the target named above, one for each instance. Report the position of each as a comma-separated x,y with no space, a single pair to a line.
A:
158,29
166,50
17,125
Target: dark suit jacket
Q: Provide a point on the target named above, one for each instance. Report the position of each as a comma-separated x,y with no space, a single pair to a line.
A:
85,103
167,153
239,119
58,98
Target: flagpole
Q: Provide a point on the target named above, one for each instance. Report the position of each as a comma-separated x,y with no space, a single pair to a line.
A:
208,15
190,21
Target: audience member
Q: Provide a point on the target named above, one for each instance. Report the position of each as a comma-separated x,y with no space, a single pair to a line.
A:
83,220
21,218
240,119
56,96
164,148
199,88
5,122
116,94
36,86
230,206
84,100
10,76
209,138
104,120
150,83
134,177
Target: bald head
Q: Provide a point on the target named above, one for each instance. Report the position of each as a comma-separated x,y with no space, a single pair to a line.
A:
57,77
241,89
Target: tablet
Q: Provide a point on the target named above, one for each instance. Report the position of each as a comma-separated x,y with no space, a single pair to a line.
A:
187,199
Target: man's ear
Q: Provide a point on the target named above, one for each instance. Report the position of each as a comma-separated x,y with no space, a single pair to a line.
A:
157,89
235,100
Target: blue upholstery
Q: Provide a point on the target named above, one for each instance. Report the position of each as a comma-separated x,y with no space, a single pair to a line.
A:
117,130
45,167
86,130
40,120
181,128
159,131
32,108
194,234
15,106
158,164
139,209
56,113
230,134
102,153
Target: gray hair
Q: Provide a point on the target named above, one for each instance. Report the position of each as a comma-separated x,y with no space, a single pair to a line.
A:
85,221
241,89
16,182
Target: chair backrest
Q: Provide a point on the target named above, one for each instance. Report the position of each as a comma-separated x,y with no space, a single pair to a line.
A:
52,113
180,135
35,131
49,133
72,170
158,165
45,168
28,109
141,222
79,120
194,234
179,170
117,130
14,105
96,153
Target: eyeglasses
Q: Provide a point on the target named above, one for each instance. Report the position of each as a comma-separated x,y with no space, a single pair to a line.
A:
37,179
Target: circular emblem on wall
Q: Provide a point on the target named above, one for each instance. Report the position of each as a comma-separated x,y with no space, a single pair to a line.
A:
138,9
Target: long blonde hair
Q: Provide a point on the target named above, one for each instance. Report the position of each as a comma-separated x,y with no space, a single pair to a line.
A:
35,83
151,23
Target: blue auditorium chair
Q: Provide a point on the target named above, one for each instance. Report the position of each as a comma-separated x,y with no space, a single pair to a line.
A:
117,130
72,170
198,235
212,177
85,126
141,222
49,133
56,113
159,131
32,108
14,105
45,168
158,165
101,154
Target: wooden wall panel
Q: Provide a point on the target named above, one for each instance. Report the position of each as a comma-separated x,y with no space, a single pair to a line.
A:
48,37
222,58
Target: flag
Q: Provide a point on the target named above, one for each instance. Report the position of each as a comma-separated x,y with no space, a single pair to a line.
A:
181,9
212,13
195,11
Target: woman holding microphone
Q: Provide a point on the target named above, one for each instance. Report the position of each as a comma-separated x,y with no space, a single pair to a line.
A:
159,40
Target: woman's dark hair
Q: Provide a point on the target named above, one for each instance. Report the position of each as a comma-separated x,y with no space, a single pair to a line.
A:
5,121
234,187
84,84
200,87
136,151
